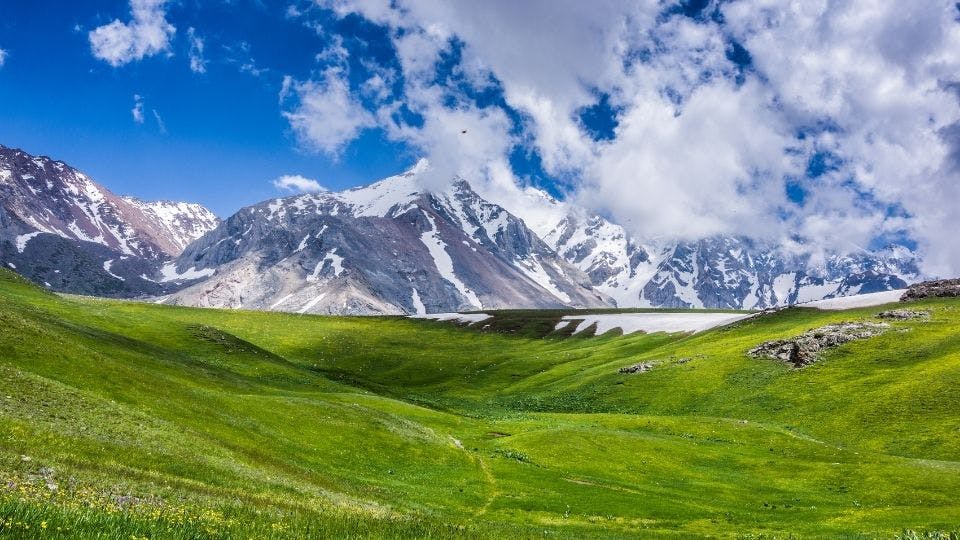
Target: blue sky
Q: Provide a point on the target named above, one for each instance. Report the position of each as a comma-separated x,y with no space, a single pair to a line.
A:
225,137
216,137
820,125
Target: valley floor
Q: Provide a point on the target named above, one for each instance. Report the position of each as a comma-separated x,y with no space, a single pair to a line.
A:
128,420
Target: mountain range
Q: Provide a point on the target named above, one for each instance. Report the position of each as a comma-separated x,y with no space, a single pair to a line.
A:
393,247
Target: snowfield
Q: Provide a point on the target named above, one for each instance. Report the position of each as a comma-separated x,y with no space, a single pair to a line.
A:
24,238
444,263
458,317
631,323
170,273
857,301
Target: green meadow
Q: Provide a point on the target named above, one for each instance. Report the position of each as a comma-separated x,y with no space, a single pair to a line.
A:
131,420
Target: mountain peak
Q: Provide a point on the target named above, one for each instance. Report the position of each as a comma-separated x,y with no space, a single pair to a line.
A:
389,247
60,227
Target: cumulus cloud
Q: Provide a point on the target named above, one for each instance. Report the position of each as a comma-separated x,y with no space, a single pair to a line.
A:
198,64
298,184
717,115
137,110
146,34
876,73
3,57
323,113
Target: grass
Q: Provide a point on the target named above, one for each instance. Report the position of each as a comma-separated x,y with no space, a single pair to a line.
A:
129,420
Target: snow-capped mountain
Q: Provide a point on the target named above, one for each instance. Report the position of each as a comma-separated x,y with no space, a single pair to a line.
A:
59,227
617,265
716,272
730,272
173,225
391,247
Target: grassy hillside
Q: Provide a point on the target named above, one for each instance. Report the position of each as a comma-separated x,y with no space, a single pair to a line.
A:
126,420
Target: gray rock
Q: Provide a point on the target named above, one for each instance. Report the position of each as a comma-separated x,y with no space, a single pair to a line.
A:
942,288
903,315
806,348
642,367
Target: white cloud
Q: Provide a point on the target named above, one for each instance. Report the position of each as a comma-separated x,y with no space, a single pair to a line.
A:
240,55
3,57
137,110
323,113
147,34
198,64
698,150
877,73
298,183
161,125
691,175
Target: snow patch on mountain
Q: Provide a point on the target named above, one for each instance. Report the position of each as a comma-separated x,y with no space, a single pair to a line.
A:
178,223
858,301
418,306
469,318
535,271
336,262
24,238
106,268
378,199
169,272
444,263
630,323
312,303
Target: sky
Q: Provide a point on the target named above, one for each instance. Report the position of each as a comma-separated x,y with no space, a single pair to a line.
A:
822,124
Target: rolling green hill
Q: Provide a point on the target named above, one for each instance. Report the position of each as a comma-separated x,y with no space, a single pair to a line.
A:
129,420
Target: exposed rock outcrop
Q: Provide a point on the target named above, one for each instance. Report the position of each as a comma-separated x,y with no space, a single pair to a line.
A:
806,348
941,288
642,367
903,315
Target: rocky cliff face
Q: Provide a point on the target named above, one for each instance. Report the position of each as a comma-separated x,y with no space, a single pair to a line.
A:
60,228
390,247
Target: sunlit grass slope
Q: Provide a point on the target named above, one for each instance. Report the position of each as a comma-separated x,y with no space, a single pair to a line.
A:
122,420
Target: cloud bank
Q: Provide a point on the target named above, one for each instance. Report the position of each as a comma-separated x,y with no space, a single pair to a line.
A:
829,125
324,115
